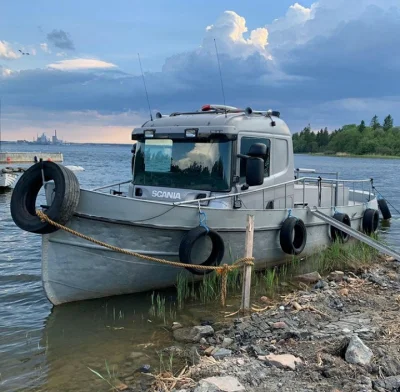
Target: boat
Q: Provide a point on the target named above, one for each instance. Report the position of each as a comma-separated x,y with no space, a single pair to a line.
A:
8,177
196,176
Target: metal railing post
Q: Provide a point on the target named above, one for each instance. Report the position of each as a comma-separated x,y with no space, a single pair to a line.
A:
285,195
337,189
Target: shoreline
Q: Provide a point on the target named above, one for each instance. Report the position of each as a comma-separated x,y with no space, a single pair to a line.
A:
338,334
344,155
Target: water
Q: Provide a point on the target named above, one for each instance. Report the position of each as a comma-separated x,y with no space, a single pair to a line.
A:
45,348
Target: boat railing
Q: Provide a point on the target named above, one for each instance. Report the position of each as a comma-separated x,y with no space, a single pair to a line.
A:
319,181
112,185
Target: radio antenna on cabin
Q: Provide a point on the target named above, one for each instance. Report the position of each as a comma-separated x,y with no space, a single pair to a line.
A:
220,75
145,88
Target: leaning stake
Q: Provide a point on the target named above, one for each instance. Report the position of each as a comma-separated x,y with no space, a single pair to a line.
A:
248,252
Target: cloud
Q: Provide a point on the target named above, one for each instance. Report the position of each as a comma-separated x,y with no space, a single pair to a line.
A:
5,71
81,64
45,47
330,63
6,52
60,39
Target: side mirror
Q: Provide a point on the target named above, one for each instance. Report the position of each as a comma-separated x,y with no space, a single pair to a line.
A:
254,171
258,150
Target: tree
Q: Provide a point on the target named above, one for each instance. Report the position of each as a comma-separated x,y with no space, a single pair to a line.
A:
387,123
375,123
361,127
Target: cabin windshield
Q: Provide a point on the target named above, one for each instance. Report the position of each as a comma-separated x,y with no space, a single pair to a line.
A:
204,165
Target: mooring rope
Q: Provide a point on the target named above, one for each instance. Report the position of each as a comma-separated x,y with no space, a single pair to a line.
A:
223,270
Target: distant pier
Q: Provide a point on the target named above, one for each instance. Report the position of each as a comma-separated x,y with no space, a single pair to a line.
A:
30,157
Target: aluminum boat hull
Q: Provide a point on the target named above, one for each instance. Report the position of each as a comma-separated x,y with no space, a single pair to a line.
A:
74,269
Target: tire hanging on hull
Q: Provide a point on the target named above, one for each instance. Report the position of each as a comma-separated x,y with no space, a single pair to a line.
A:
64,201
383,207
370,221
337,234
293,236
186,247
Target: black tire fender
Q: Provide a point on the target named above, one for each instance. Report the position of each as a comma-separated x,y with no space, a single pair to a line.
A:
187,243
384,209
64,202
370,221
337,233
293,236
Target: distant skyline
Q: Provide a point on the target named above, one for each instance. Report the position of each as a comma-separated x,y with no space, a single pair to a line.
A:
73,66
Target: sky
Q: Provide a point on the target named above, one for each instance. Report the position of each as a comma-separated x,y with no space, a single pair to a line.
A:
324,63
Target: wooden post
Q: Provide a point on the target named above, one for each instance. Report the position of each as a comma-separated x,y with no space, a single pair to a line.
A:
248,252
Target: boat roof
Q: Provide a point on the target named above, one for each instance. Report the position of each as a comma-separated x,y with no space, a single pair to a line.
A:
237,120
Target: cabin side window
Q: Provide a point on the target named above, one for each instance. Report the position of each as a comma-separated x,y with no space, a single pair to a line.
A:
245,144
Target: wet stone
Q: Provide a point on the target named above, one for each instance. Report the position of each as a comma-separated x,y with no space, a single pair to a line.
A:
193,335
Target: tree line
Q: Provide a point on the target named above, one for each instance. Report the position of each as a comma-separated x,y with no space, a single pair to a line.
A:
379,139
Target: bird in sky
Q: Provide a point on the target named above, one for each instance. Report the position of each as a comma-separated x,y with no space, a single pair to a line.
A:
23,53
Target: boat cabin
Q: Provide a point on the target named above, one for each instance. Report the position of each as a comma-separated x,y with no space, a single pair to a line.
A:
218,150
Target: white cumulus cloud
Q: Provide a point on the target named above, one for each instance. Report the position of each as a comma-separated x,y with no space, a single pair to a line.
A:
6,52
229,31
80,64
45,47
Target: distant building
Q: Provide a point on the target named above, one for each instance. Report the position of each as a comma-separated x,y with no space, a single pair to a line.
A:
43,139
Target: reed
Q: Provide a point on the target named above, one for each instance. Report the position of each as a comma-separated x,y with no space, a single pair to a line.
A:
182,289
110,378
157,308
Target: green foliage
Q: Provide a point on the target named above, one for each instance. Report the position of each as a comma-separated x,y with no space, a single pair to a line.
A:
375,123
387,123
351,139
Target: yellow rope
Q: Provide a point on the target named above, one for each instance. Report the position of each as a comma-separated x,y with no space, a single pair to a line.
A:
223,270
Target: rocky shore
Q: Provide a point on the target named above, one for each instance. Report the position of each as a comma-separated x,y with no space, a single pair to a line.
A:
341,333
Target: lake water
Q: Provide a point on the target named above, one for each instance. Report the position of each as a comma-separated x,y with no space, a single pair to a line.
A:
45,348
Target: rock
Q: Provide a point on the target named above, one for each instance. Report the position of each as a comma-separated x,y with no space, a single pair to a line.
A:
281,307
193,335
279,325
312,277
391,384
336,276
209,350
221,353
144,369
176,326
283,361
224,384
203,341
357,352
344,292
205,386
265,300
321,284
136,355
227,342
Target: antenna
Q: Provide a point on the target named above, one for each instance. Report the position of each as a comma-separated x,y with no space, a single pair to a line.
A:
0,124
145,88
220,74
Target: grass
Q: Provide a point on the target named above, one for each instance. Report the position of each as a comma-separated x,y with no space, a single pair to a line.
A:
157,308
110,379
352,256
